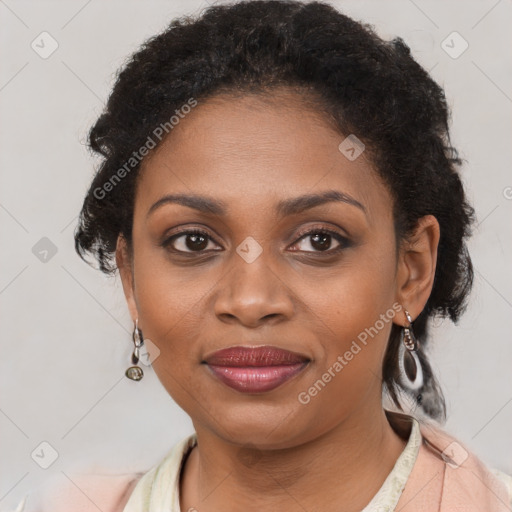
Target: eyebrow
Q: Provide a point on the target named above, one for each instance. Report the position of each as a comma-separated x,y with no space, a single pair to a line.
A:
285,207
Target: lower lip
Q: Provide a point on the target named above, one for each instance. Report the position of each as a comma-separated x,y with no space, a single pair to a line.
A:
256,379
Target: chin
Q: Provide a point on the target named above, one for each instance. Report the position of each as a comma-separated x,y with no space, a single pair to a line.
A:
263,426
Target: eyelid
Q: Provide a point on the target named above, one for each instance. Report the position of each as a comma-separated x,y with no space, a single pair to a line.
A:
183,231
343,240
320,228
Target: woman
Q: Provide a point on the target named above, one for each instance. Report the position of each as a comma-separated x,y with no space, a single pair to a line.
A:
281,198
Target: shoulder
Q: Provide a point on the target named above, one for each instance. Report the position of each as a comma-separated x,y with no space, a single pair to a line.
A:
506,479
90,492
462,475
81,493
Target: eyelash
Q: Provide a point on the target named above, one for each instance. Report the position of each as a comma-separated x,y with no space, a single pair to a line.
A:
342,240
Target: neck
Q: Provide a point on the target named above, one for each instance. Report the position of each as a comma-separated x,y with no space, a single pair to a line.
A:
347,464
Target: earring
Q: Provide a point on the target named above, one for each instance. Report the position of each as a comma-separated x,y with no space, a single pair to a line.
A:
135,372
411,373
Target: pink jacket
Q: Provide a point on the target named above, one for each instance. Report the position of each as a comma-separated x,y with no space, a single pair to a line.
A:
446,477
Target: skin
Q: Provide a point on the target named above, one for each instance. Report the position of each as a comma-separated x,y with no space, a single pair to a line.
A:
269,451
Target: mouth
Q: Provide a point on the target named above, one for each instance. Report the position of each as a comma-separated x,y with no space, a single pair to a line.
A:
255,369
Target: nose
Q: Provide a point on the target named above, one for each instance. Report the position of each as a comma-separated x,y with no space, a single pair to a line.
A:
253,294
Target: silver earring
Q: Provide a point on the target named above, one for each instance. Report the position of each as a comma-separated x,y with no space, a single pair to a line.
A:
411,373
135,372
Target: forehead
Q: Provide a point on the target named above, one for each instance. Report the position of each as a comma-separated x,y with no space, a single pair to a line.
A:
251,150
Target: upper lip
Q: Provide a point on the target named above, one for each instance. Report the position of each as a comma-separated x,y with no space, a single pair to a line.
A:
265,355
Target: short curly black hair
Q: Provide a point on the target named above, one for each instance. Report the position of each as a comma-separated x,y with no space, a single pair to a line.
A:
370,87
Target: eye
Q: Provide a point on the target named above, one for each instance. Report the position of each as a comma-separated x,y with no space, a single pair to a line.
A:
321,240
314,240
189,241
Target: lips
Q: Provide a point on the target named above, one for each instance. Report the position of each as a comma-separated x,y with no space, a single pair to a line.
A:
255,369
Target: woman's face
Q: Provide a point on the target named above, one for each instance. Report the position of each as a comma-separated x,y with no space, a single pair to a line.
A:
255,277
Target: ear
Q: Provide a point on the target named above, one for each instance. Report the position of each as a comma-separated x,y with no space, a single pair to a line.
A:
417,266
124,264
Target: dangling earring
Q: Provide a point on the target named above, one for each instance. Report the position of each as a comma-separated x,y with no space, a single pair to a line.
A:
135,372
411,373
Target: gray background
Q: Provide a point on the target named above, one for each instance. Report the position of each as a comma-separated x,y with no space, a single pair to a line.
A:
65,329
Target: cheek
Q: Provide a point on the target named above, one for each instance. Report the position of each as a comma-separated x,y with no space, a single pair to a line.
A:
170,314
351,313
168,310
353,320
168,300
352,297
